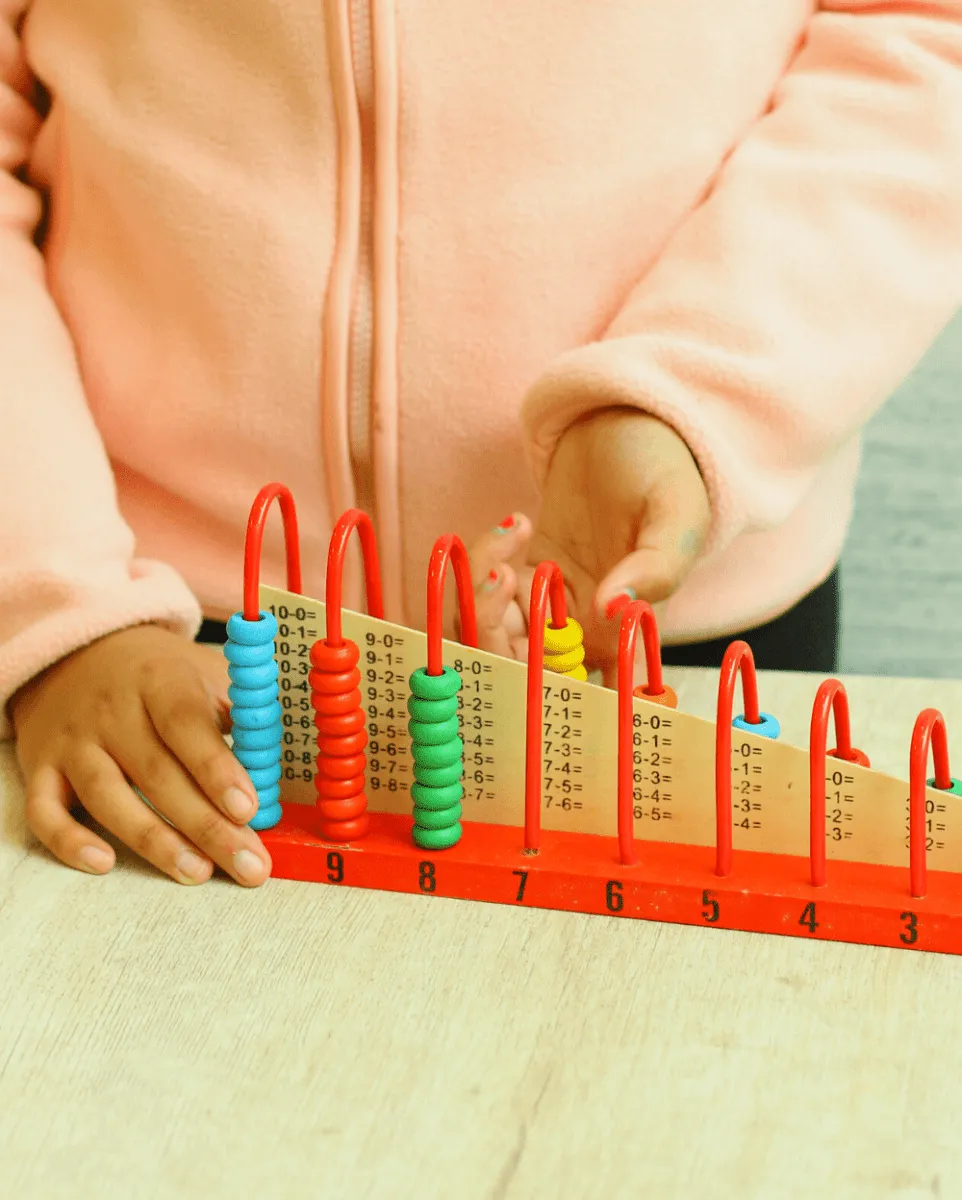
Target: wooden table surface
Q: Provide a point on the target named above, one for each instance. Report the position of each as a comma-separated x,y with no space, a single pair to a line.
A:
158,1041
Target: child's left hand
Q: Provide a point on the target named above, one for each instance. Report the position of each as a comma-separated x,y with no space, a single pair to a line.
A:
624,507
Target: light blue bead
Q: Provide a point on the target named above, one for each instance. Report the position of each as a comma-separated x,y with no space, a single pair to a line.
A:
256,759
252,633
253,677
265,777
257,718
248,656
767,727
268,797
266,817
252,697
257,739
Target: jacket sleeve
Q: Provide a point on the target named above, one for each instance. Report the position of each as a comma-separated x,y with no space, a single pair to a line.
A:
68,571
817,271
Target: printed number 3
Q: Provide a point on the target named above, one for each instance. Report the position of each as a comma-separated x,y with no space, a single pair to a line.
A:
911,934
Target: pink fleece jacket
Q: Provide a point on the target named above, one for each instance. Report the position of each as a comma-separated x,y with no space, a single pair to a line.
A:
387,251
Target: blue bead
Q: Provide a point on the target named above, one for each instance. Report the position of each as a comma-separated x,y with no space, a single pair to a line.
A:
767,727
257,718
268,797
258,676
248,656
265,777
257,739
266,817
252,697
252,633
255,759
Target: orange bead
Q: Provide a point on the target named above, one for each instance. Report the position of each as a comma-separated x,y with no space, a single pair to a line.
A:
334,659
859,757
340,726
343,832
341,747
329,684
667,698
336,706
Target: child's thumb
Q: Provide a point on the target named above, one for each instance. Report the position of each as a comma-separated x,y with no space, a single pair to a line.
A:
653,571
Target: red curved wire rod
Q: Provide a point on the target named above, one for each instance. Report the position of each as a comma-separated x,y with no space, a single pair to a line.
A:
547,580
353,519
738,657
255,538
830,698
447,549
637,613
929,731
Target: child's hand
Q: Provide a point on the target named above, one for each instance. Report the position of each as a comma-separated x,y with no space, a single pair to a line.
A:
624,507
141,707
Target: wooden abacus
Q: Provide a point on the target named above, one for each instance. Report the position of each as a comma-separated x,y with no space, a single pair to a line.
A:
562,794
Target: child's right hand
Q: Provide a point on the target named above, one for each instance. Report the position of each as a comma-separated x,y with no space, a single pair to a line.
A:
140,707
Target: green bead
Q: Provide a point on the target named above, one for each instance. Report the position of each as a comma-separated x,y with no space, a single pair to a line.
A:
425,733
437,818
432,712
445,755
435,687
955,789
437,797
436,839
439,776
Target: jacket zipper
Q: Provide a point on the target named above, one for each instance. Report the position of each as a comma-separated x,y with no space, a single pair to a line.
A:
359,370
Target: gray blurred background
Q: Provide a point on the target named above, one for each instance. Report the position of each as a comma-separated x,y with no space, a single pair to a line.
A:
902,567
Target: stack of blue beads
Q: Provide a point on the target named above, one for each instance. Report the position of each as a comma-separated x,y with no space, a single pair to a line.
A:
255,712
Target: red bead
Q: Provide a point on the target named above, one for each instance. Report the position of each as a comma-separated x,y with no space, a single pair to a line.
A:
341,768
342,726
336,706
342,810
345,831
334,659
340,747
338,789
333,685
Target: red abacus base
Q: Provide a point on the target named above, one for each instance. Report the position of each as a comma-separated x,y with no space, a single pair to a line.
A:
765,893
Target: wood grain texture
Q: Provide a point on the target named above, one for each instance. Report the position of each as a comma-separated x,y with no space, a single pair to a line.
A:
307,1041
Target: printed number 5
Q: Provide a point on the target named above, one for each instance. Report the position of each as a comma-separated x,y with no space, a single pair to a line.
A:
711,911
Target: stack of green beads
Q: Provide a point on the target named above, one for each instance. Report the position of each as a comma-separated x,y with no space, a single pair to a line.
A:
438,752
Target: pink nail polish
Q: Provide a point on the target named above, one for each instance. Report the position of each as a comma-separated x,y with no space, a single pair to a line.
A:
506,524
492,581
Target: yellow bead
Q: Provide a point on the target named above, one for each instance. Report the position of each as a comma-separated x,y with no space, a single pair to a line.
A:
560,641
563,663
579,674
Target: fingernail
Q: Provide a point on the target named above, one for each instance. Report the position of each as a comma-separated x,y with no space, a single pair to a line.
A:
492,581
619,601
248,867
192,866
506,524
239,804
93,858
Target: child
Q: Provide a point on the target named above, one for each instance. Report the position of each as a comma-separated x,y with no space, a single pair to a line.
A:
338,243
